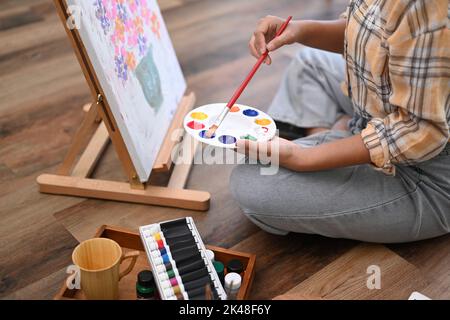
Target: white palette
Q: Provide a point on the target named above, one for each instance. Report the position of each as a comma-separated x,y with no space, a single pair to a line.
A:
242,122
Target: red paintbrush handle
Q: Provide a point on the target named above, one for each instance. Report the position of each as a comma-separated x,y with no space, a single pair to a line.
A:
255,68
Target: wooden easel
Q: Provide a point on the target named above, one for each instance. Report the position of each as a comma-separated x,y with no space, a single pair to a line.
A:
97,128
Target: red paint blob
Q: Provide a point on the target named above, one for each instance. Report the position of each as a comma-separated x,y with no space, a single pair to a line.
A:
195,125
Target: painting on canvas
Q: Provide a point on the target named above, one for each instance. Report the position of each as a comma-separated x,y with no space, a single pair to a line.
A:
132,54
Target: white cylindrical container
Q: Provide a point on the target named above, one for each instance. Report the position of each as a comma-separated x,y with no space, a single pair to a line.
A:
232,285
210,255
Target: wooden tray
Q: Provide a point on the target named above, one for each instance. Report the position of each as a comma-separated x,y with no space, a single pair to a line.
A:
129,240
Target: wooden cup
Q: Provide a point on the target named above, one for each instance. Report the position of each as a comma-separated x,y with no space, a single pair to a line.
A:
99,260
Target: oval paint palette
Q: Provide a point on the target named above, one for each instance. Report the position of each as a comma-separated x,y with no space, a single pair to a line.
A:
242,122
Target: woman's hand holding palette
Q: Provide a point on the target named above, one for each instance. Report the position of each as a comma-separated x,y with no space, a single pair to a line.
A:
242,122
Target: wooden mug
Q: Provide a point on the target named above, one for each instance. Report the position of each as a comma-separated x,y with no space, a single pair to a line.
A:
99,260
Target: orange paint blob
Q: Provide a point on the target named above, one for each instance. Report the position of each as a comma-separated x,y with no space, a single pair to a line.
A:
263,122
199,115
235,109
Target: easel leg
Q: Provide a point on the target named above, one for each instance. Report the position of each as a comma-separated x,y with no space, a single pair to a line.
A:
81,138
92,154
181,171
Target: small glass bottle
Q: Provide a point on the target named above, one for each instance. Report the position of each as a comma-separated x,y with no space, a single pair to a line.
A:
145,286
235,266
232,285
220,268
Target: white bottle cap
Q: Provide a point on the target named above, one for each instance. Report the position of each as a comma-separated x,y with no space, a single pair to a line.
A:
161,269
158,261
233,281
163,276
156,254
169,293
150,230
155,228
166,284
210,254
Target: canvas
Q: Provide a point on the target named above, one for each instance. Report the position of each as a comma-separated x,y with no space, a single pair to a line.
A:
132,54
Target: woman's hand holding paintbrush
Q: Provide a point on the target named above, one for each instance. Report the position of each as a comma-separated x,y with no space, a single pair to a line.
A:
244,84
336,154
265,38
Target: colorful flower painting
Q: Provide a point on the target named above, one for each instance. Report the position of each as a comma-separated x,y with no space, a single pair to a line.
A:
124,22
129,47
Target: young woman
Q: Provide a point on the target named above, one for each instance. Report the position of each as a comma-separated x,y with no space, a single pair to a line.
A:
373,98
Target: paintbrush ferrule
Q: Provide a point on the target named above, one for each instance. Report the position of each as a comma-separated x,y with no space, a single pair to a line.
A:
217,122
222,116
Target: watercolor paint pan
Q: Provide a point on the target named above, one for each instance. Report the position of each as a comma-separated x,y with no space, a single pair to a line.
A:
180,252
242,122
179,260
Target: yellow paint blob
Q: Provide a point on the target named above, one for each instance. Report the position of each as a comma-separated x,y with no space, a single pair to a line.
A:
199,115
263,122
235,109
157,237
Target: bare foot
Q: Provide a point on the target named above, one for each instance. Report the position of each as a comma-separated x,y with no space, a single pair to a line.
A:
342,123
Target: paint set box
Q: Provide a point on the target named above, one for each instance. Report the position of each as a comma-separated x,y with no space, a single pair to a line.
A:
180,264
130,241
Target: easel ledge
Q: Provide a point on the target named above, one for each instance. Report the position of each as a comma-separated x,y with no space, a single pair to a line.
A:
73,179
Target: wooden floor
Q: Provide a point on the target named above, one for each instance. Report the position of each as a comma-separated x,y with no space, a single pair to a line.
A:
41,93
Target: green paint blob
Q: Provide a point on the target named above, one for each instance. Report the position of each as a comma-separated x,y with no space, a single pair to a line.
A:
249,137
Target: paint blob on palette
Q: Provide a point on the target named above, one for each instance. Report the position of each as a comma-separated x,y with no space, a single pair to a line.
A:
242,122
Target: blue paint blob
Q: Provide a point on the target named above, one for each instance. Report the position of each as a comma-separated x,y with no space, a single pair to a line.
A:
227,139
250,113
202,134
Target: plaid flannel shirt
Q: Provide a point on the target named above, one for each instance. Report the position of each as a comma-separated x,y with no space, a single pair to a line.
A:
398,77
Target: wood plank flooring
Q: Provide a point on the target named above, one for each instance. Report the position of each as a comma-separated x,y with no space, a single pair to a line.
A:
42,90
346,277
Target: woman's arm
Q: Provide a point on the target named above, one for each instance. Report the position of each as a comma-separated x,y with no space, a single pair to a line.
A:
339,153
325,35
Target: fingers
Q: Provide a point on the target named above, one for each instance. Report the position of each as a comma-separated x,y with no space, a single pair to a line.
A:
251,46
259,38
263,38
260,35
254,51
253,149
243,146
277,42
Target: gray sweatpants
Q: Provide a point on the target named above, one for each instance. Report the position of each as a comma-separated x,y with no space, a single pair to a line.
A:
355,202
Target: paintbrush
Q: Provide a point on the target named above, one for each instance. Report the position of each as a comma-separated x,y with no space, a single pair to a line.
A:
208,292
212,130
